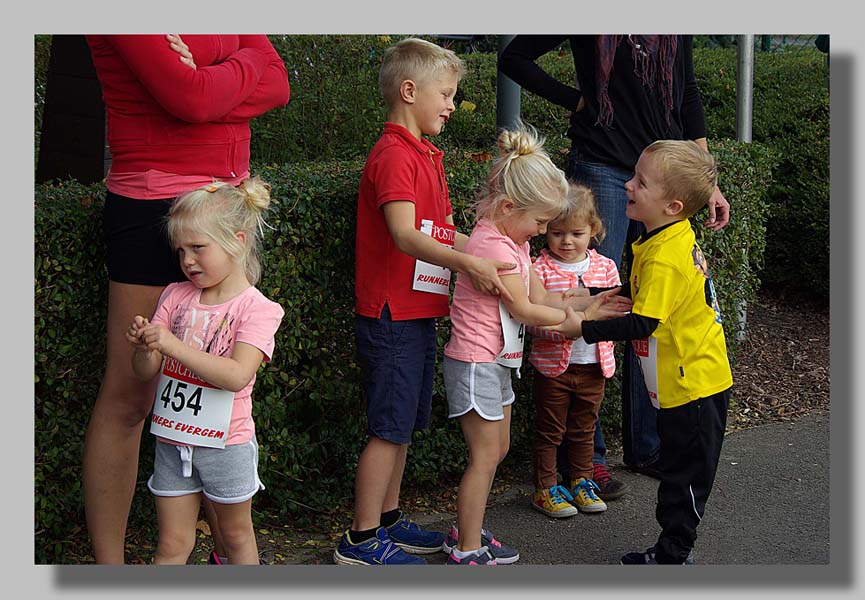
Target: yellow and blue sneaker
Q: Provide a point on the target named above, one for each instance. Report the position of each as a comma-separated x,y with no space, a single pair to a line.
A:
554,502
585,496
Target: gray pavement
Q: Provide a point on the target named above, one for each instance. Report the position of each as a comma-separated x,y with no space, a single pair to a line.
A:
769,506
766,527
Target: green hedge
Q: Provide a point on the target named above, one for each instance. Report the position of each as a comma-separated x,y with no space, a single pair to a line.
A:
309,408
70,294
335,96
791,116
335,113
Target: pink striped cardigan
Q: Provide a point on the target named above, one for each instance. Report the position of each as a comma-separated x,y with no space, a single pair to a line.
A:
550,351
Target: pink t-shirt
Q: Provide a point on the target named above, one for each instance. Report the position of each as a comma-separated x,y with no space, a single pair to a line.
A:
152,184
249,317
476,325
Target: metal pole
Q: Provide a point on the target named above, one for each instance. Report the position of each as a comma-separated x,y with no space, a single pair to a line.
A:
744,87
507,93
744,118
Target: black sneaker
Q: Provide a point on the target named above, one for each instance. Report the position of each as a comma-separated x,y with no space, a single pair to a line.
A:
608,488
650,470
648,558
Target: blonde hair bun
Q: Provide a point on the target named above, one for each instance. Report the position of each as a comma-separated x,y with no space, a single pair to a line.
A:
524,174
257,193
520,142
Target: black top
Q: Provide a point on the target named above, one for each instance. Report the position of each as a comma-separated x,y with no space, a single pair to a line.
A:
639,115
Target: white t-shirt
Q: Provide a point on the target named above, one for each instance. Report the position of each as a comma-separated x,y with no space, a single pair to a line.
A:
581,352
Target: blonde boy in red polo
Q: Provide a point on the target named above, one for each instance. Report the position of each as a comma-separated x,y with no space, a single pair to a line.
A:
406,246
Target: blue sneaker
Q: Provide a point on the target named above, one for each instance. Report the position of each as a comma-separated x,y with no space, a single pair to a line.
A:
414,540
379,550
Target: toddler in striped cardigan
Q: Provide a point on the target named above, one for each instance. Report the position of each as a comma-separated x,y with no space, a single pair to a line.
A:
571,375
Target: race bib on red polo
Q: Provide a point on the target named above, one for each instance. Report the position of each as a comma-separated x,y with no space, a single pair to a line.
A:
433,278
188,410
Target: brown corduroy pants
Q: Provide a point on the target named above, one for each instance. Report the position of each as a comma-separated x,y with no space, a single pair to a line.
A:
566,407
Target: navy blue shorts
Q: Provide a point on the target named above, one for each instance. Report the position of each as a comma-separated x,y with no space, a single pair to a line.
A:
137,248
398,363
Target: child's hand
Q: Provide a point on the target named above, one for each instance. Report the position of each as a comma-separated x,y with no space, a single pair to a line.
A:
608,305
572,326
158,337
133,334
484,274
575,292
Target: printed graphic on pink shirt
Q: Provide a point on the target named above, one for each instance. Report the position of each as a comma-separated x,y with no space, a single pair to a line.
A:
188,406
189,410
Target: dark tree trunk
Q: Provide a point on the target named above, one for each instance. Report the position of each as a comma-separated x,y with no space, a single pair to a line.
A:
72,143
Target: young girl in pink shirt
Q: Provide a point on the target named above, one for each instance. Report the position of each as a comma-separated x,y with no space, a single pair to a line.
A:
524,191
205,342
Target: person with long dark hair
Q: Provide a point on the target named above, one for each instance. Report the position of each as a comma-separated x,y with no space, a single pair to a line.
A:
629,91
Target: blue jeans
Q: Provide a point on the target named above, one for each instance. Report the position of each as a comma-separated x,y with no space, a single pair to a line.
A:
641,445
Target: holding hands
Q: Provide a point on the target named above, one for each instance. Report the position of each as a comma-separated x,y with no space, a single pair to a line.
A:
575,292
606,305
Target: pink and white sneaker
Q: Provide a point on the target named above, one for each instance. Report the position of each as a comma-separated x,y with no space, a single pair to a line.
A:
503,555
480,557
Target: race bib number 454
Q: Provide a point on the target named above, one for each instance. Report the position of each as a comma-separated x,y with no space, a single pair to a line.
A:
189,410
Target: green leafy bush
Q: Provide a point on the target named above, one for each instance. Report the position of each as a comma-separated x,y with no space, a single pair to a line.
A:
70,295
336,113
791,116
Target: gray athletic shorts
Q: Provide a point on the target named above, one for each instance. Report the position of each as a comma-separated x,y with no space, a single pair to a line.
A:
225,475
482,387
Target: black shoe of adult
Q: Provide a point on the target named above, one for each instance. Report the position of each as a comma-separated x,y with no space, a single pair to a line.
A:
648,558
650,470
609,488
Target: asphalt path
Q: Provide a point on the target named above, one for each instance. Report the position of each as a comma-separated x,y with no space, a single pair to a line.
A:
769,506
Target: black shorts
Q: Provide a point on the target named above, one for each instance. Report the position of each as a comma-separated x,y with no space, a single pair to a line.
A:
136,241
